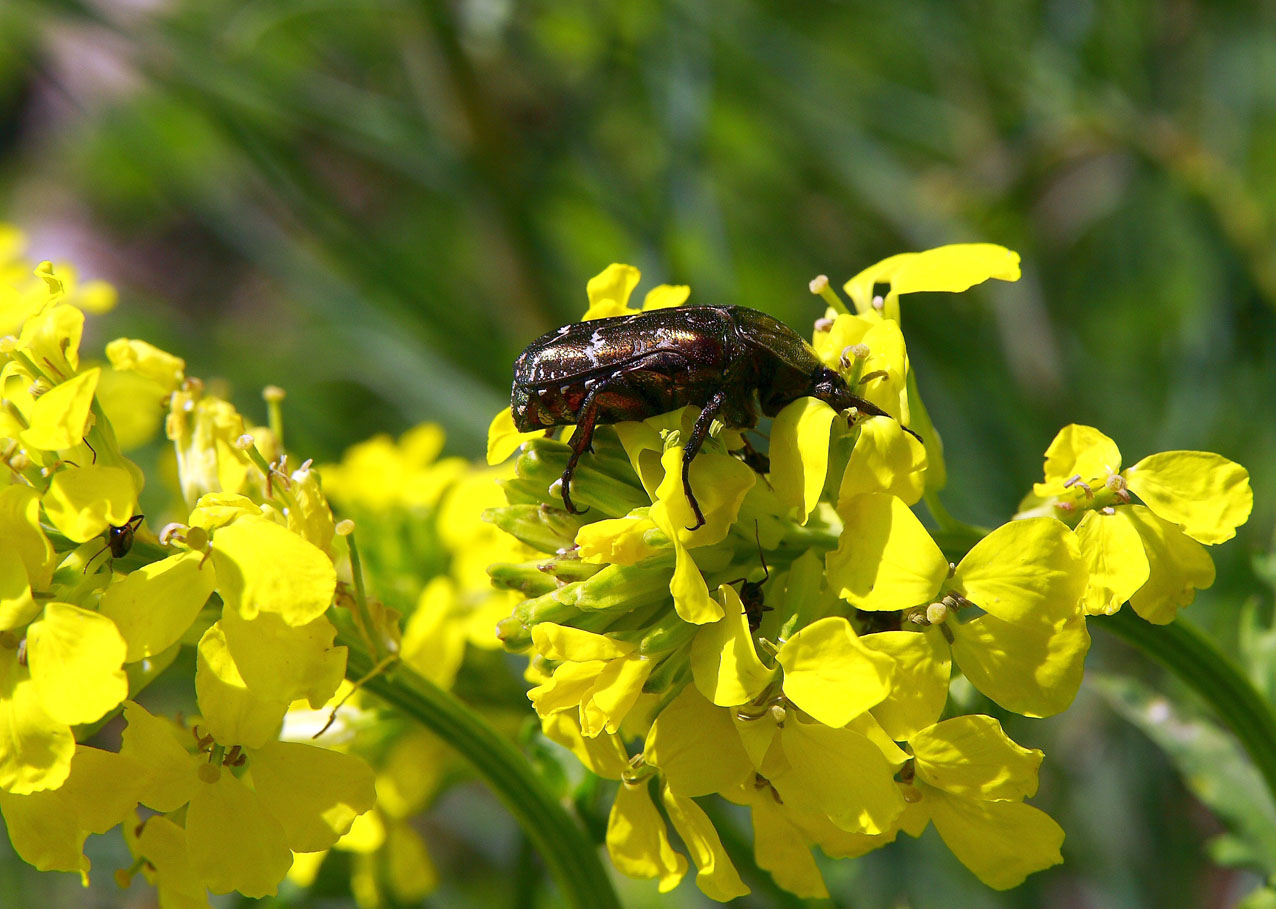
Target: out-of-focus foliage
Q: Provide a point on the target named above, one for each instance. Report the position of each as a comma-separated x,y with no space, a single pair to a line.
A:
377,204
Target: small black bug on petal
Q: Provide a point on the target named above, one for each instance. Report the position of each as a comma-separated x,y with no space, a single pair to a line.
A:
119,540
751,591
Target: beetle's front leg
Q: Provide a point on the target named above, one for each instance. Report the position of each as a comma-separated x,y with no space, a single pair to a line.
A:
692,448
581,442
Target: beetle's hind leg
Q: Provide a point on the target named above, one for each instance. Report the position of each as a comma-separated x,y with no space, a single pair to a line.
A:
692,448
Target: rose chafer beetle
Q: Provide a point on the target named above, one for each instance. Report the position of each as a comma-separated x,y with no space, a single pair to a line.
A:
728,360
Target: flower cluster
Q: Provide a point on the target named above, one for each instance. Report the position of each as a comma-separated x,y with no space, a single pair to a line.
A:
94,605
793,654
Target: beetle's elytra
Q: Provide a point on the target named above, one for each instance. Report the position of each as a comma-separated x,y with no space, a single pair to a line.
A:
728,360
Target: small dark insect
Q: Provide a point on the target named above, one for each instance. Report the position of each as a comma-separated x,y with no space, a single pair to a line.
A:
751,591
119,540
728,360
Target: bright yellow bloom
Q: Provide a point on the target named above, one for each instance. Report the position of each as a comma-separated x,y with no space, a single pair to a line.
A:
969,779
1027,651
302,798
1151,556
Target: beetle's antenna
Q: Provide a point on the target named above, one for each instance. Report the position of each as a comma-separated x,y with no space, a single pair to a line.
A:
757,539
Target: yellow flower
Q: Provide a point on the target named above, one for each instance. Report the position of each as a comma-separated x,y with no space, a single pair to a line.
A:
302,798
1151,556
1027,651
969,780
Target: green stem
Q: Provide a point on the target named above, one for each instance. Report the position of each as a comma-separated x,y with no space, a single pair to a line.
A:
1196,661
572,859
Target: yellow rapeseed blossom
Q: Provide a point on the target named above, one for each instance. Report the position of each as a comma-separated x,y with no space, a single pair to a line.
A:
1152,555
793,653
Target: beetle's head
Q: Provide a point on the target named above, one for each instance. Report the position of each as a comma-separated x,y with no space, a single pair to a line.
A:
832,389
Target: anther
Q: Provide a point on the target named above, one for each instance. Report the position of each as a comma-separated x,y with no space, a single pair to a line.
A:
819,284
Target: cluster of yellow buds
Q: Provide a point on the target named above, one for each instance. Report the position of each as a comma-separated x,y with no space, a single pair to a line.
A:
820,699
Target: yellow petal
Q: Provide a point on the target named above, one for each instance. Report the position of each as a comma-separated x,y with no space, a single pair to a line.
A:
689,591
154,605
37,749
163,844
715,875
563,642
954,268
433,639
134,406
783,850
168,774
17,606
696,747
920,689
410,872
1031,668
666,296
48,828
1204,493
720,483
76,658
20,532
1115,560
232,712
800,453
1081,451
503,437
612,285
83,502
841,774
1001,842
615,691
1178,566
233,841
724,661
161,367
315,793
884,559
971,755
292,662
885,459
831,675
603,754
1025,570
638,841
262,566
566,688
616,541
60,416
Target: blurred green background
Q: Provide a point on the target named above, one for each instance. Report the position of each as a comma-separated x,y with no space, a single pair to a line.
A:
377,203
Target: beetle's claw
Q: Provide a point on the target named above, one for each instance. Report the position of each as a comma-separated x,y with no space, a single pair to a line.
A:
695,507
567,501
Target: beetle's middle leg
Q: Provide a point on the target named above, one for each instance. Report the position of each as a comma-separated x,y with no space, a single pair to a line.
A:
692,448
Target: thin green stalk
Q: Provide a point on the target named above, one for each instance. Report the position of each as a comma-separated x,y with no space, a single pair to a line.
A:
1196,661
572,859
